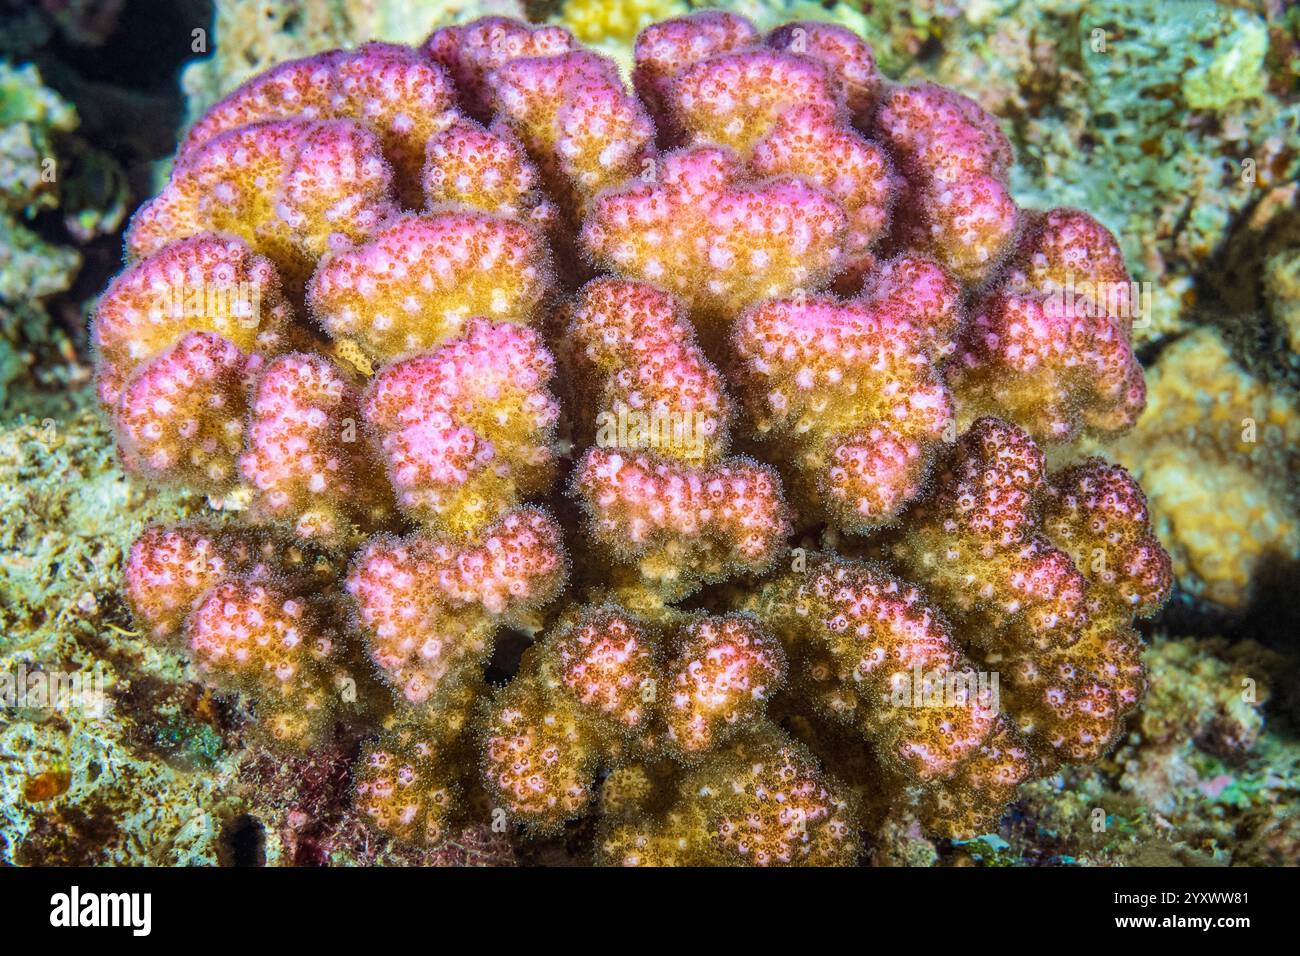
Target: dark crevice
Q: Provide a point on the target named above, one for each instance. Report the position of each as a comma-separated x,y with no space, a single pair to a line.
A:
242,842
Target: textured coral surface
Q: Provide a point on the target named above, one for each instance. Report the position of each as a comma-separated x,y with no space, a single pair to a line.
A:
727,389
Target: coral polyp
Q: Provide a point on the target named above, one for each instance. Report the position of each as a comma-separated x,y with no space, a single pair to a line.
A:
852,394
721,392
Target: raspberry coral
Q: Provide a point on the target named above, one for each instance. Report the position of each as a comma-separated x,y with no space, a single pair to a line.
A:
179,336
251,619
182,418
633,348
408,781
858,633
734,99
847,57
403,97
807,141
573,113
290,189
471,51
1048,574
487,170
261,638
205,284
467,430
705,233
428,607
461,277
852,393
762,801
1049,346
683,527
420,279
608,686
723,674
306,462
678,512
956,204
167,569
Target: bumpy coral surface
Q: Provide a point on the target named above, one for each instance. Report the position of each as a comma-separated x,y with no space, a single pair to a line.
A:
1048,572
305,460
509,349
421,278
852,393
252,621
1049,346
467,429
428,606
703,777
658,493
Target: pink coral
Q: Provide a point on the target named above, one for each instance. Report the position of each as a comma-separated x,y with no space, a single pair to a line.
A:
956,205
1049,346
167,569
725,671
389,297
429,607
290,189
608,686
182,418
484,169
663,50
852,393
717,238
734,99
1050,572
396,92
473,50
657,493
205,284
608,661
633,347
420,280
259,636
307,459
807,141
469,429
846,55
860,638
572,112
683,526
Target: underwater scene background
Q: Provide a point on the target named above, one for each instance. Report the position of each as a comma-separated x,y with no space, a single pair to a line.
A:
596,442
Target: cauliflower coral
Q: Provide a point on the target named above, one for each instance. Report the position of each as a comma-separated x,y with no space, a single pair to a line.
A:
490,342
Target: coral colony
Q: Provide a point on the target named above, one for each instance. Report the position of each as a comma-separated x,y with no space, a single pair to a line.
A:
731,388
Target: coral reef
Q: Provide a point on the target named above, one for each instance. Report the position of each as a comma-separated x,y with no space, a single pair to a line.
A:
390,297
662,501
1216,452
47,173
1031,578
1203,778
249,38
428,606
701,778
1165,121
1056,364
